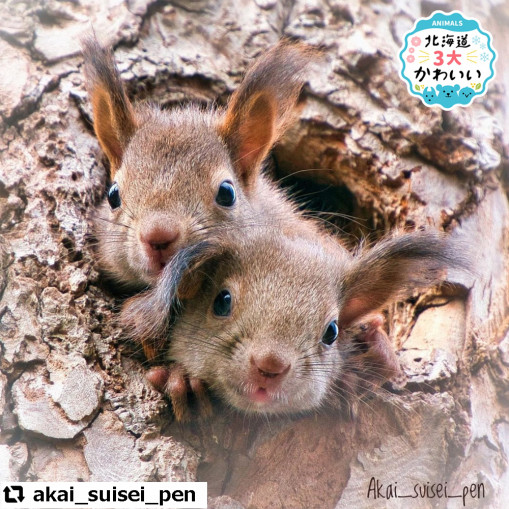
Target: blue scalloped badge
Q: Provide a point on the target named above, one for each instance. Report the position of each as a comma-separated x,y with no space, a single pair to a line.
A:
447,60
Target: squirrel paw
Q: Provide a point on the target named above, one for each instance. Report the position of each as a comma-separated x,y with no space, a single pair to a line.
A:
380,356
374,360
173,381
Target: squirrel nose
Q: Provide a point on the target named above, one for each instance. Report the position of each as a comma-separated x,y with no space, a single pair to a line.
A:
159,241
270,366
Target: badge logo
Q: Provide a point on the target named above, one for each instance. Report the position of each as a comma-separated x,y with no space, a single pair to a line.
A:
447,60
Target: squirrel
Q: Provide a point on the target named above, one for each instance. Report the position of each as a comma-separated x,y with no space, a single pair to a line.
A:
187,183
182,173
268,321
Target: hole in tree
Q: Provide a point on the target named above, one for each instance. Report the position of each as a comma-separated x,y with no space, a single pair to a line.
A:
335,205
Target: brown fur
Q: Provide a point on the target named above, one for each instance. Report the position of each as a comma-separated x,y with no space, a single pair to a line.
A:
285,292
289,276
168,164
264,105
114,121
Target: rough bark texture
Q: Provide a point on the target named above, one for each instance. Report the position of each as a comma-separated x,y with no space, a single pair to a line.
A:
75,405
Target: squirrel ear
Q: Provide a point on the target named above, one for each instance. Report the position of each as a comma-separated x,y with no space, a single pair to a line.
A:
394,267
264,105
250,134
114,121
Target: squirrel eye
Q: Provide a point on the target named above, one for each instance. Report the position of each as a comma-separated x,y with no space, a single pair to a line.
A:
331,333
223,303
226,195
114,196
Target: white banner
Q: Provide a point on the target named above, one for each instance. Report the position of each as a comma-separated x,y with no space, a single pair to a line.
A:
103,495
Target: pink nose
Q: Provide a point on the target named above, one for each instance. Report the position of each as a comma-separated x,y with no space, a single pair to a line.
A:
159,243
270,366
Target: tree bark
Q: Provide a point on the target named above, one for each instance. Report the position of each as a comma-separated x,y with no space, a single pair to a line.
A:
75,404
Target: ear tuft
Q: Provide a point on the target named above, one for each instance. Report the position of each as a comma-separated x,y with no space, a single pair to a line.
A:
396,266
114,120
263,106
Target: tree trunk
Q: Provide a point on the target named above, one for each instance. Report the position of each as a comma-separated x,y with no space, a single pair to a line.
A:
75,402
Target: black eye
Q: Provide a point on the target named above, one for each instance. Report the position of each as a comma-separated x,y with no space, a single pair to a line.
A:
226,195
223,303
331,333
114,196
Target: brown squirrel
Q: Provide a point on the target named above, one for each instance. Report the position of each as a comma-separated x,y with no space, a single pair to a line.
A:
180,174
187,183
267,320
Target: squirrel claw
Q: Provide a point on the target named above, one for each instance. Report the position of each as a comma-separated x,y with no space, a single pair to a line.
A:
200,391
176,389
